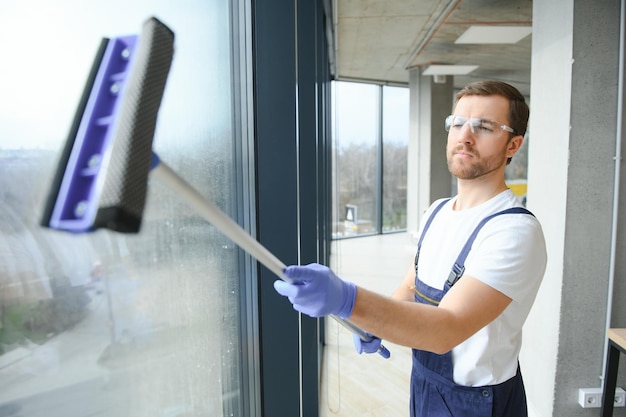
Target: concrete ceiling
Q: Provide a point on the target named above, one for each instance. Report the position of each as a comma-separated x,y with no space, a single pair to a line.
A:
380,40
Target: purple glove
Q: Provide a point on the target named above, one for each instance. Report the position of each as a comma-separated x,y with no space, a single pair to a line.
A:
373,346
316,291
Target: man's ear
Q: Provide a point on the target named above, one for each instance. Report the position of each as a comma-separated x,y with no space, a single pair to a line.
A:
514,145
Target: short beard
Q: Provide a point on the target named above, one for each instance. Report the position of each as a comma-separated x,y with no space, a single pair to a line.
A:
477,168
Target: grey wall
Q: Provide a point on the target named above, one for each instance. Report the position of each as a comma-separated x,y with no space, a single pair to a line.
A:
571,168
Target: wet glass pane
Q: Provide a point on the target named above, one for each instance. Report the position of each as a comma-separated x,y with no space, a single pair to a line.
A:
108,324
395,153
356,127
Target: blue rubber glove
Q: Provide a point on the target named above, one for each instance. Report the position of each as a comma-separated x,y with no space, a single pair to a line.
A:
373,346
317,292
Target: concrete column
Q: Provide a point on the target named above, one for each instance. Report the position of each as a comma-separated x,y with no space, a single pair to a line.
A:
571,165
428,176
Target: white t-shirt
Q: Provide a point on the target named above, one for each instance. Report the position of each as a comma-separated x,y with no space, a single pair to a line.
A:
509,254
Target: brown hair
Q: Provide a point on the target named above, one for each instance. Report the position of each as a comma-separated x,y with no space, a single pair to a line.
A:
518,109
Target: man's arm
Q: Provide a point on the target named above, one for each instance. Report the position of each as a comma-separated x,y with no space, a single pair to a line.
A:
466,308
405,291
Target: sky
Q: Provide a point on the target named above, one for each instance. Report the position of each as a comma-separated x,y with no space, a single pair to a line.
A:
356,113
48,48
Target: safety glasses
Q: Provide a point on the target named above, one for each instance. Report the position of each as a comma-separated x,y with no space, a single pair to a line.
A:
480,127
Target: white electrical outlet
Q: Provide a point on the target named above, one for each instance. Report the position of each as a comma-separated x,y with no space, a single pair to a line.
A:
592,397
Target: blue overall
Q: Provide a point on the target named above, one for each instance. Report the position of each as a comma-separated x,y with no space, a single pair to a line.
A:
433,390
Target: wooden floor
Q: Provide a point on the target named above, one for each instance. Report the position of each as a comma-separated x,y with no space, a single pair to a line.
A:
367,385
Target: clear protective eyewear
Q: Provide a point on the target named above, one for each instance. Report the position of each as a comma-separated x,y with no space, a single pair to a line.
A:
479,127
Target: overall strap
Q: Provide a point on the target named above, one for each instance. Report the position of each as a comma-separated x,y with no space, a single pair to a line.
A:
426,226
459,266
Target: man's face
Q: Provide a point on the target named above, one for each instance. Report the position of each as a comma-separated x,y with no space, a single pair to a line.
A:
473,155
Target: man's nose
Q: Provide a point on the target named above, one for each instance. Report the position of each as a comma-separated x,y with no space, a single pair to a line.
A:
467,133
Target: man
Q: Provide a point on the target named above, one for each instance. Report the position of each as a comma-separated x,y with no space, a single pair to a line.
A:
463,302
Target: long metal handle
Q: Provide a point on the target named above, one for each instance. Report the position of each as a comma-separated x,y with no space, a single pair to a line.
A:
211,213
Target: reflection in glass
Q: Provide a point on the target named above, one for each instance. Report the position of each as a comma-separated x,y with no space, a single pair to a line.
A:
108,324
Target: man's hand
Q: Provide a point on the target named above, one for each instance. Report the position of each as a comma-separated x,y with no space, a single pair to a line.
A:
316,291
373,346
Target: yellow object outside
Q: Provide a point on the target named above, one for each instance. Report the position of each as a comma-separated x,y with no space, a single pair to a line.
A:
518,187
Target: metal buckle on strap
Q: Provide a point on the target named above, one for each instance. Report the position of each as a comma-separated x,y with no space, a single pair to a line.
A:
455,274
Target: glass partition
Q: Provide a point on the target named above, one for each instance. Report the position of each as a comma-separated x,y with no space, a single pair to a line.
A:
395,151
104,323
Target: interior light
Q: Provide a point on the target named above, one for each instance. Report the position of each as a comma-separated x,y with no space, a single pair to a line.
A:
494,34
449,69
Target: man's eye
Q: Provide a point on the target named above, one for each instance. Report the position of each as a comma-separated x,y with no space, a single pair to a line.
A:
484,126
458,122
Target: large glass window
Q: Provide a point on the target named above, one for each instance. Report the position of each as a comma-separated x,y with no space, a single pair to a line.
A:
356,127
370,154
395,148
109,324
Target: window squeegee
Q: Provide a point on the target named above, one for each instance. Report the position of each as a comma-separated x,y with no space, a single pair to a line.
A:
102,176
